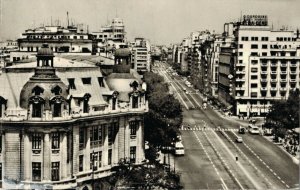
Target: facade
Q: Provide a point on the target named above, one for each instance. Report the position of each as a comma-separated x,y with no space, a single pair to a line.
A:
110,36
266,66
63,125
61,40
141,55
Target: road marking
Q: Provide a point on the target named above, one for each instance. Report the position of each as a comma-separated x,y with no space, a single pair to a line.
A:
211,161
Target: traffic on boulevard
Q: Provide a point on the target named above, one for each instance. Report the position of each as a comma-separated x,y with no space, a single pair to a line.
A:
221,153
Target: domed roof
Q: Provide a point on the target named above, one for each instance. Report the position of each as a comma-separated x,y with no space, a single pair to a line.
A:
45,51
122,52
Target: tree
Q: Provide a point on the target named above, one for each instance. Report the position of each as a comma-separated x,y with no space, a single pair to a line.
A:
284,115
164,118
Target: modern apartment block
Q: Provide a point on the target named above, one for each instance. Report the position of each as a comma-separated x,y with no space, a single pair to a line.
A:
266,67
141,55
63,125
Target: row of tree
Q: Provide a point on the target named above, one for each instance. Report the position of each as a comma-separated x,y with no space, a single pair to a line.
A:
164,118
284,114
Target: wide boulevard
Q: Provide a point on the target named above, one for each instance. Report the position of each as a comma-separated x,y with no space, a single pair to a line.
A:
213,160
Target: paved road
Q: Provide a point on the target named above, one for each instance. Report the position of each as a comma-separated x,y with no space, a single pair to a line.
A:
213,159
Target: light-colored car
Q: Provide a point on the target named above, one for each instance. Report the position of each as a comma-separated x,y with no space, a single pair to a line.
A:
239,139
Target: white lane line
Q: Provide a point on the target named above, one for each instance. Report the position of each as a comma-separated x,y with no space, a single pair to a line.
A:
211,161
237,181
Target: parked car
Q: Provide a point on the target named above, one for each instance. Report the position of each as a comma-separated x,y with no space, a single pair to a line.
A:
239,139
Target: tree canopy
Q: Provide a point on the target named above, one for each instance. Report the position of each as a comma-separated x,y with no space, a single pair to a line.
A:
164,118
284,114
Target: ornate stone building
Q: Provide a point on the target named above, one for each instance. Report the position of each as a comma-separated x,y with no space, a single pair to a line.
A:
63,124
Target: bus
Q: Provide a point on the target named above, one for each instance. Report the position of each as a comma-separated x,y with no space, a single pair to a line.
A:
253,129
179,149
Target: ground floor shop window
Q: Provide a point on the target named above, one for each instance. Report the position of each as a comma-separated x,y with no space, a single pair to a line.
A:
36,171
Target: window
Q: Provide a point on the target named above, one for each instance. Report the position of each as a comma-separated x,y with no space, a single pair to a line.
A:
253,85
132,154
0,143
94,161
80,163
101,82
240,53
55,171
114,102
100,159
71,83
253,70
110,135
254,46
56,110
96,134
240,61
245,38
254,61
253,94
36,141
81,37
264,38
135,101
264,46
81,137
133,125
0,171
75,37
36,171
86,80
254,38
254,54
55,140
37,109
253,77
109,156
241,46
264,54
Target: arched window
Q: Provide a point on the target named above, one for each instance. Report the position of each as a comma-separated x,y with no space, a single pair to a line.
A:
86,98
114,100
135,100
37,103
56,103
37,109
57,110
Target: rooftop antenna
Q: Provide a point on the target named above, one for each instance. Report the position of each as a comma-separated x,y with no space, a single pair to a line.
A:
68,18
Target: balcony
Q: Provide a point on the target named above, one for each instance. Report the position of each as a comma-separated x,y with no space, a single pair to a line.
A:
283,89
273,80
263,88
293,80
273,72
240,65
240,80
239,88
273,88
283,65
283,72
283,80
293,72
264,64
273,65
240,72
293,65
263,80
264,72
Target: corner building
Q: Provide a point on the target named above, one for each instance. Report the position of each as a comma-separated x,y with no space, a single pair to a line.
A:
63,125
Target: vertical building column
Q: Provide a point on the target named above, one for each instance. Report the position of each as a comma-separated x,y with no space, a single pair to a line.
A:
46,158
27,158
105,146
140,143
86,158
63,152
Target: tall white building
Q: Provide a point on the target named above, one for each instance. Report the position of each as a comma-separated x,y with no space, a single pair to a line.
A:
141,55
267,66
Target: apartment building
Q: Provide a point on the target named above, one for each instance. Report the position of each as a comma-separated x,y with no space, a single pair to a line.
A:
141,55
63,125
266,67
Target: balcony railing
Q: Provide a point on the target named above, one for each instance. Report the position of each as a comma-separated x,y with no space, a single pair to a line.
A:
263,80
293,80
273,65
283,65
273,72
293,65
273,88
240,80
293,72
264,64
283,72
263,88
283,80
240,72
240,88
273,80
264,72
283,89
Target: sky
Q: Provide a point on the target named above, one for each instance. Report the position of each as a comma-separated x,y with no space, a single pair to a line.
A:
160,21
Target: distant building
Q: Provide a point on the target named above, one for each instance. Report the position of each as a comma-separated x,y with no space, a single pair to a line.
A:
63,125
69,40
141,55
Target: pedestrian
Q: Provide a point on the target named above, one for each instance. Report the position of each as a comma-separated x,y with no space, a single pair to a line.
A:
239,116
243,117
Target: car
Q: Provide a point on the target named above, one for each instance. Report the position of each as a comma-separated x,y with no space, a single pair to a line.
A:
242,130
239,139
